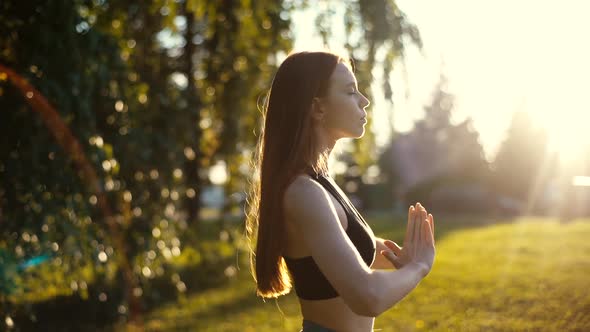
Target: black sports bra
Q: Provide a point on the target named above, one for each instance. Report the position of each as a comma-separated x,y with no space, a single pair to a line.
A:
310,282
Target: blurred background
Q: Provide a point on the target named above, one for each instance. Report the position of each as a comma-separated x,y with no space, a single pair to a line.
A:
128,130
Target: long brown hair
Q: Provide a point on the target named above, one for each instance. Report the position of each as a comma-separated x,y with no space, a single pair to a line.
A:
286,147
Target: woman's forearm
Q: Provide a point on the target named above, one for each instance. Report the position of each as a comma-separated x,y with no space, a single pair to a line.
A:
389,287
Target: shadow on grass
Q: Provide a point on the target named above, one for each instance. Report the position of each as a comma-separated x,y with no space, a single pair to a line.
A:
193,313
75,313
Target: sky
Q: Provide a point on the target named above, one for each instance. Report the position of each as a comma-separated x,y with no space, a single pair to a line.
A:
498,56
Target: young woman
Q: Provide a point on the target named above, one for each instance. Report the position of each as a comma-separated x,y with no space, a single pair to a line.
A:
308,234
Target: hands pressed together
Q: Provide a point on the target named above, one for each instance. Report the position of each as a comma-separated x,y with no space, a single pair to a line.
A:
418,245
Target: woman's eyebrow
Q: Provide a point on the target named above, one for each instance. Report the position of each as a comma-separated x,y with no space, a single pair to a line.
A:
351,83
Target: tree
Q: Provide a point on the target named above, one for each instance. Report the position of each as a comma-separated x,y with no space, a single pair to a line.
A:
376,36
523,164
435,153
135,107
243,37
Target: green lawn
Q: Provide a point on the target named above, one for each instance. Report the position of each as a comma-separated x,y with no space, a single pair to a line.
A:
489,275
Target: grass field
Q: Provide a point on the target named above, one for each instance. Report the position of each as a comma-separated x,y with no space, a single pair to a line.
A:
525,274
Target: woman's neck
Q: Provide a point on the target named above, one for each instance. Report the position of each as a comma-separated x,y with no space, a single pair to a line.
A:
325,142
324,145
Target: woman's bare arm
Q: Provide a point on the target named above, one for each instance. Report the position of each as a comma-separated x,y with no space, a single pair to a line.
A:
365,291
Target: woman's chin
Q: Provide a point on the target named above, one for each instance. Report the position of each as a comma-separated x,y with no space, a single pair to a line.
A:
362,132
358,133
354,136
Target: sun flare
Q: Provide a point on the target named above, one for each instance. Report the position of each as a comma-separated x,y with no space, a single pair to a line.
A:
565,114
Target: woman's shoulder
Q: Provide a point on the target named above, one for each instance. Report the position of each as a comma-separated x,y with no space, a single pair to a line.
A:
304,191
301,184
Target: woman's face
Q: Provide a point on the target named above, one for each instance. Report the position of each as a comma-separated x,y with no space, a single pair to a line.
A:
344,114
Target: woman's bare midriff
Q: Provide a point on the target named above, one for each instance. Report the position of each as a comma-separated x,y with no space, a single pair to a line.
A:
336,315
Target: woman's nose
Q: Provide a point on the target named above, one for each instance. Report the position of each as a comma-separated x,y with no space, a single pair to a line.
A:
365,101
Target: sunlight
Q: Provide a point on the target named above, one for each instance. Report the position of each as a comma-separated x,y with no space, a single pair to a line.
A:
522,59
557,102
581,181
567,130
218,173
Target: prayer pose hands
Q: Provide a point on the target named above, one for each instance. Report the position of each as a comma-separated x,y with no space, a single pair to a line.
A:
418,245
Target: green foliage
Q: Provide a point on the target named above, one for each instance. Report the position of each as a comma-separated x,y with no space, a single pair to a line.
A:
47,209
376,35
107,69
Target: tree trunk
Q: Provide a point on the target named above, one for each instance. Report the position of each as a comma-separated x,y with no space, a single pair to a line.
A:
192,164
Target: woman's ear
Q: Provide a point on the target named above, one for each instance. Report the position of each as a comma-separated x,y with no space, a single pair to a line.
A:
317,110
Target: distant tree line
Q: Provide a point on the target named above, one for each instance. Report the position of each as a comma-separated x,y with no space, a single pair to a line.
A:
441,163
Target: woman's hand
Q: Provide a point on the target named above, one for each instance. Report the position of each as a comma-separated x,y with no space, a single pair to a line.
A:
418,242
